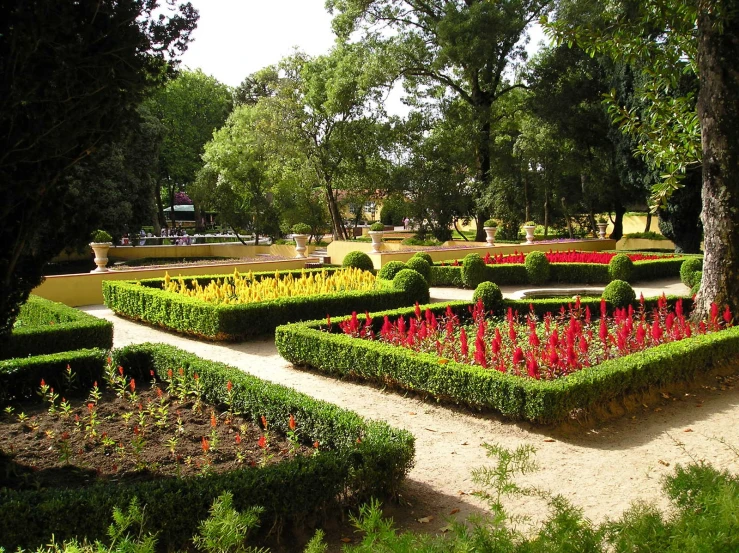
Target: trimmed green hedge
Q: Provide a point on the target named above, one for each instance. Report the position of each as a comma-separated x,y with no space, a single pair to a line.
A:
146,301
519,398
586,273
49,327
358,460
20,377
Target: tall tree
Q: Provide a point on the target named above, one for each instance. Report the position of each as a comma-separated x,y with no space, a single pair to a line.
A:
465,48
70,75
669,38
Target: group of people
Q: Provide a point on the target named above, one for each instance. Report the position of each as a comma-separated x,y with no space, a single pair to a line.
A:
180,235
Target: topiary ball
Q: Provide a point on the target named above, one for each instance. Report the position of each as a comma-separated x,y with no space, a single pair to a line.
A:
424,255
421,265
413,284
537,267
358,260
389,271
689,267
490,294
620,267
473,270
619,293
695,282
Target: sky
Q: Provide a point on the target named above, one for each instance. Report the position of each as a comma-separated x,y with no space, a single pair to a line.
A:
235,38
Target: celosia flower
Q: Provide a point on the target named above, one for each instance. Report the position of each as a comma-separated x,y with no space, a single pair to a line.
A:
205,444
291,423
262,443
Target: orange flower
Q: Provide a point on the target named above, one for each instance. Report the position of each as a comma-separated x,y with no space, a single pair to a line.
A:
132,385
159,392
262,442
205,445
316,444
195,376
213,420
120,370
264,422
238,438
229,386
291,423
169,374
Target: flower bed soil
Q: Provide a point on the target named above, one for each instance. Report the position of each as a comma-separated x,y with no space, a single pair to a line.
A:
32,450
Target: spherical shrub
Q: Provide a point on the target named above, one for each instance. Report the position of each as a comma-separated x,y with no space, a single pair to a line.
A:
696,282
689,267
377,227
413,283
424,255
421,265
619,293
473,270
537,267
301,228
620,267
490,294
358,260
389,271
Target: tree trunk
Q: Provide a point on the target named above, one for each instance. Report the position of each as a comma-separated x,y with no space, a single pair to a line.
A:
718,111
546,211
618,222
526,198
337,224
482,104
567,218
160,206
649,222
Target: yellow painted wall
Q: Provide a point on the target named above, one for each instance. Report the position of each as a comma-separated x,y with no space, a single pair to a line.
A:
86,289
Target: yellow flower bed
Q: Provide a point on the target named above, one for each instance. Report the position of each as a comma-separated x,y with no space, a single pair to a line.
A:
244,289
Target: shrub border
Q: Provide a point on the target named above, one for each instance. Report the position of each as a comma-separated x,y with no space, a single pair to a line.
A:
359,459
535,400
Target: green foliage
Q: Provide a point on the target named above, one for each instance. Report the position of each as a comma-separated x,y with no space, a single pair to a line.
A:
357,460
49,327
146,301
621,267
519,398
696,279
391,269
420,265
490,294
301,228
413,284
417,240
473,270
358,260
586,273
493,223
426,256
394,211
529,224
537,267
226,530
100,236
619,293
687,269
377,227
651,235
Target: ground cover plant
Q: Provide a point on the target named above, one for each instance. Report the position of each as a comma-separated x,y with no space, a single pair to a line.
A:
525,364
236,307
295,457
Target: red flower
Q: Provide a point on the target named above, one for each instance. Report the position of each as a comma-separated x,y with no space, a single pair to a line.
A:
316,444
262,443
132,385
43,382
169,374
264,422
229,386
291,423
205,444
238,438
195,376
213,420
120,370
90,406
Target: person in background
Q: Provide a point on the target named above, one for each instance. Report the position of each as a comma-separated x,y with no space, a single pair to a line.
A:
142,236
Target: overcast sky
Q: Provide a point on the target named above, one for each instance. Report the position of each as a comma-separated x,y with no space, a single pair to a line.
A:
235,38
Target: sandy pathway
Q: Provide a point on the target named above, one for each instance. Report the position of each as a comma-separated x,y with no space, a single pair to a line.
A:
602,468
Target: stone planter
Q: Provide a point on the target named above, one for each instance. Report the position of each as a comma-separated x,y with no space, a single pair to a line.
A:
529,230
602,230
376,236
300,240
490,235
101,255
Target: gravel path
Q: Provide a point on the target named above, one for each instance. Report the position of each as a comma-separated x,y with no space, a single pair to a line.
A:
599,467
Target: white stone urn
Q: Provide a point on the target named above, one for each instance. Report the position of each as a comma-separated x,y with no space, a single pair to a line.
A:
376,236
490,235
529,230
101,255
602,230
300,241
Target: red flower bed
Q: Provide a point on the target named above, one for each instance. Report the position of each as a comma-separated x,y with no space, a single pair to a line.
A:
555,346
573,256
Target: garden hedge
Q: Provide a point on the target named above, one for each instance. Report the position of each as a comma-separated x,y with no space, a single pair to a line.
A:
358,459
520,398
146,301
585,273
48,327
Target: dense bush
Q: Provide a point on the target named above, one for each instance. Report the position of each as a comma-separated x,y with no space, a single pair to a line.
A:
101,237
490,294
377,227
473,270
688,267
357,460
301,228
358,260
537,267
45,327
619,293
420,265
621,267
392,268
426,256
413,284
696,280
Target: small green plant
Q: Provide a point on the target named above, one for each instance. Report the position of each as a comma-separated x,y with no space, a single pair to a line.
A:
473,270
696,280
620,267
529,224
413,283
491,223
602,219
226,530
101,237
421,265
537,267
358,260
301,228
377,227
619,293
391,269
687,269
490,294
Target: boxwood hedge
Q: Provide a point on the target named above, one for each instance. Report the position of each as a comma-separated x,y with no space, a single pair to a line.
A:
358,459
48,327
146,301
520,398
